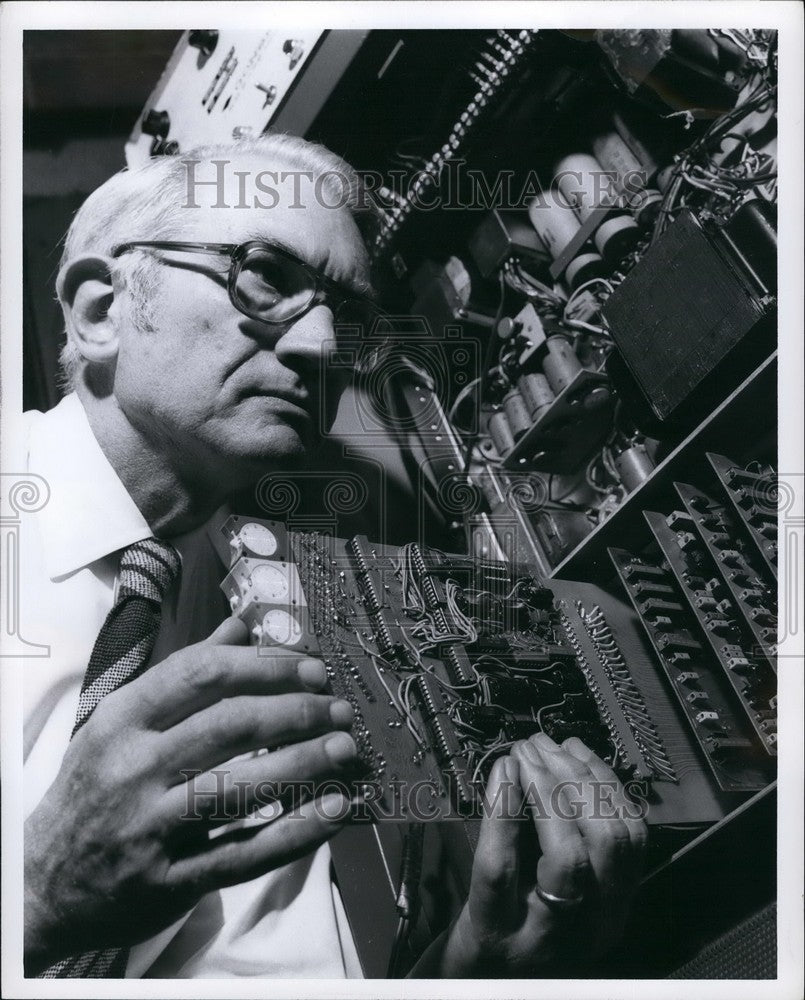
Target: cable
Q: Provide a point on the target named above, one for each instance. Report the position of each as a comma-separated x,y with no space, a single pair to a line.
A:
589,475
492,749
578,324
400,940
552,297
685,162
493,345
583,287
407,902
451,413
403,709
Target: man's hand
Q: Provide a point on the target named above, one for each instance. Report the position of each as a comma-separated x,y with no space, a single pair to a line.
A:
586,867
109,858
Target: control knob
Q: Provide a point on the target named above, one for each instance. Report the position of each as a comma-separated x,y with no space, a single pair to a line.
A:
156,123
204,41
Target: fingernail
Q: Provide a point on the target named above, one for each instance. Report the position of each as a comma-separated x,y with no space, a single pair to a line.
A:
340,748
544,742
577,748
341,713
312,674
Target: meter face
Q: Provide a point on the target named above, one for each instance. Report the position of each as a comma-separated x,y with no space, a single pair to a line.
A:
282,627
270,582
259,539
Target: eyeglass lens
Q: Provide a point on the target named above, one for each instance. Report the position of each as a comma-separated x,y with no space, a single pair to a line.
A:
272,287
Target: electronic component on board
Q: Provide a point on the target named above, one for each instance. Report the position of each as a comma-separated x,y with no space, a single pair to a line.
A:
752,494
718,528
263,586
447,661
727,635
558,227
589,190
501,235
721,728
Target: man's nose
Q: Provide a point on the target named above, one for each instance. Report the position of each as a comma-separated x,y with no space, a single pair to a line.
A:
306,340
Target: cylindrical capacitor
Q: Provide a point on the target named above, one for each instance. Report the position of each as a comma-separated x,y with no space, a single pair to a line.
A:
583,268
585,184
630,177
646,206
560,363
616,236
536,393
554,220
517,414
501,434
638,148
634,466
615,156
556,224
663,180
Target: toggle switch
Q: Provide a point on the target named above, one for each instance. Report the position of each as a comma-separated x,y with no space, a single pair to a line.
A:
270,92
293,48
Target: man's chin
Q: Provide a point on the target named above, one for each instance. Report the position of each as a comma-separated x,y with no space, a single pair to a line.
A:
280,447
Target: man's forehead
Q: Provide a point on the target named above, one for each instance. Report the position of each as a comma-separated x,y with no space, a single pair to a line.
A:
231,201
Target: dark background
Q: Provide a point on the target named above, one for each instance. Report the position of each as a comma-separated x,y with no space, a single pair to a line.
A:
82,93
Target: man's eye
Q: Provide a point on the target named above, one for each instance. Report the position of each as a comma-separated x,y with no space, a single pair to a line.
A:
267,274
267,281
262,282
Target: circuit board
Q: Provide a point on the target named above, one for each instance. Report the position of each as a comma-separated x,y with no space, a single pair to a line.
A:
703,692
753,496
720,622
447,661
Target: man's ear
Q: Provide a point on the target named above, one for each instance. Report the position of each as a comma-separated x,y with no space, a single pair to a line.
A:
86,292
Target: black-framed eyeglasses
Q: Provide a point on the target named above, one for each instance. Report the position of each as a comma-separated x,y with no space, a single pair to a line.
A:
270,284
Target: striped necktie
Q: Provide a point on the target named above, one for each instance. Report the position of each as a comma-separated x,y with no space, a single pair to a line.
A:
121,652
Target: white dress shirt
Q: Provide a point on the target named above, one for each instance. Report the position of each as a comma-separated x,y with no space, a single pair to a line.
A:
289,922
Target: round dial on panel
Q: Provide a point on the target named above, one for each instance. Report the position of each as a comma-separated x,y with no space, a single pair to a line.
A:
258,538
270,582
282,627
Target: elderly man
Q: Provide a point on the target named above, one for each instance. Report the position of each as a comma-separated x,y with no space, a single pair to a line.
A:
198,318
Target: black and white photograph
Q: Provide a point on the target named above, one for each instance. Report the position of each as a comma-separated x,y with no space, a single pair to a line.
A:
402,499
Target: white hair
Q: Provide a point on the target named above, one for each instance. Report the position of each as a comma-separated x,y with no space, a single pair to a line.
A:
146,204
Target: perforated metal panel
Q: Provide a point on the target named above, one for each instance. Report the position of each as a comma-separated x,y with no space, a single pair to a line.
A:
680,313
748,951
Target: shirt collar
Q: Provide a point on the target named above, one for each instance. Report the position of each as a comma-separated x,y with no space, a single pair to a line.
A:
89,514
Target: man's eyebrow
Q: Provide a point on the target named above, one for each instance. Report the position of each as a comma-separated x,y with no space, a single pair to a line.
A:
359,287
275,241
